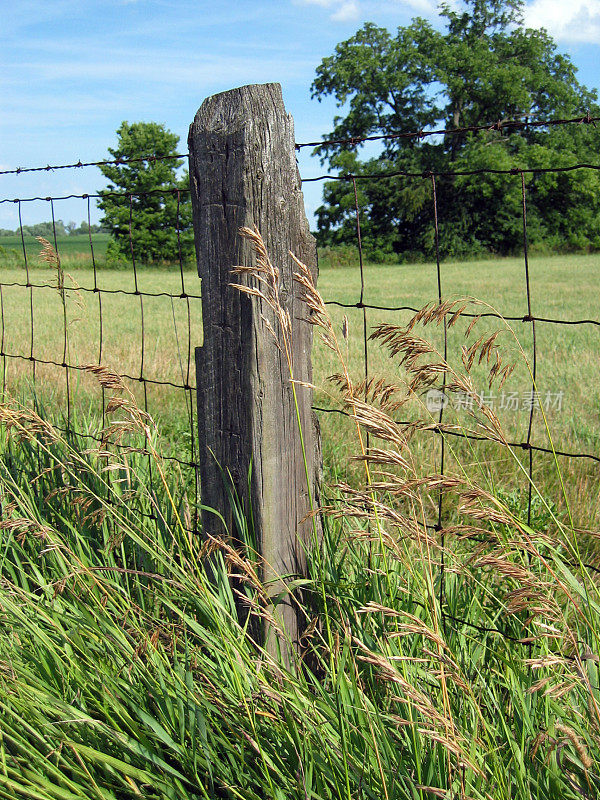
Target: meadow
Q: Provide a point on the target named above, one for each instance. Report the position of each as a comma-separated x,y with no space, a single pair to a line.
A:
102,326
77,246
465,667
562,287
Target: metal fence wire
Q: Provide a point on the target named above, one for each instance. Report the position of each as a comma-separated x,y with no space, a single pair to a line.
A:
180,376
176,384
528,317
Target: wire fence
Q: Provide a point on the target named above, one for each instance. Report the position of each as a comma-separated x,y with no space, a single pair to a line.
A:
527,444
156,363
528,316
178,376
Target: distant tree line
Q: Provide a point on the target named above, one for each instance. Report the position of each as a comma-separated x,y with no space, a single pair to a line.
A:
46,229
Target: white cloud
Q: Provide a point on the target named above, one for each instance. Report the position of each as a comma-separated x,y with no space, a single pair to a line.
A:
341,10
347,12
429,6
350,10
575,21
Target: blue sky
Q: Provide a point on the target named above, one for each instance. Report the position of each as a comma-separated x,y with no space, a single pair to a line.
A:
73,70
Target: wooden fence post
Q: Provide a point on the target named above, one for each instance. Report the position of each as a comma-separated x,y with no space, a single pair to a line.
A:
243,173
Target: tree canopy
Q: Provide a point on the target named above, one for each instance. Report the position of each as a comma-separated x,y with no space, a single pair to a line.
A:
149,213
483,66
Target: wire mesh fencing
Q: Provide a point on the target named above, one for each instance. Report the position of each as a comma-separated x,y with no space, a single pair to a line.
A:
541,397
65,310
441,289
536,401
144,323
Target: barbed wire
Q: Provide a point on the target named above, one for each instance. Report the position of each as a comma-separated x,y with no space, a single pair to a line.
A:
499,125
350,177
81,164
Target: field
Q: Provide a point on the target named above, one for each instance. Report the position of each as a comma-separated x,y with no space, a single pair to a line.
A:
563,287
455,666
69,247
101,327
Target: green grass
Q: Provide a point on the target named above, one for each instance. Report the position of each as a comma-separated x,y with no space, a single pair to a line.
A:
125,673
69,247
562,287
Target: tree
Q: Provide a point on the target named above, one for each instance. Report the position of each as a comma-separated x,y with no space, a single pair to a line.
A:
483,66
45,229
148,219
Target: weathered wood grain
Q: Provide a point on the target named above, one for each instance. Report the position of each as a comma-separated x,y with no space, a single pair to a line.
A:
243,173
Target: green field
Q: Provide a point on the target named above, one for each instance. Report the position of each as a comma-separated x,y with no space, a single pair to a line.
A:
562,287
69,247
461,665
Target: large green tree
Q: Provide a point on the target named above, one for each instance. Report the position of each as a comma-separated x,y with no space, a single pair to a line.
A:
482,66
141,205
